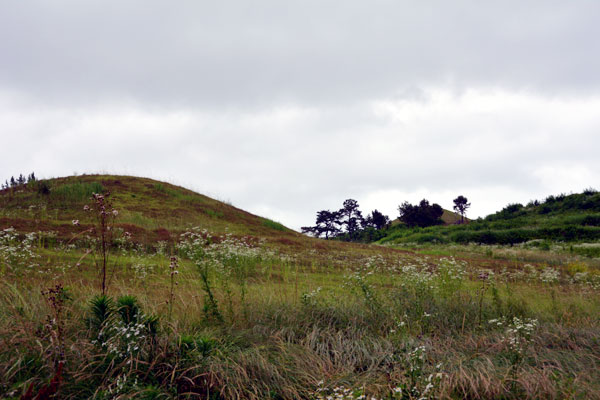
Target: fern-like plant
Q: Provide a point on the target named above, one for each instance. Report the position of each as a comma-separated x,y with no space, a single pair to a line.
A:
128,308
101,309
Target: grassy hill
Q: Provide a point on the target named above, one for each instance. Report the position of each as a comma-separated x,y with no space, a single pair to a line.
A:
451,218
566,218
151,210
155,214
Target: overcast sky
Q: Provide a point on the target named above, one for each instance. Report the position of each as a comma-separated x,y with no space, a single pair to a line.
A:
286,108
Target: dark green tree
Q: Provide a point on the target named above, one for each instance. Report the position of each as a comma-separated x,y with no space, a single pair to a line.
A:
327,223
351,217
422,214
461,204
376,220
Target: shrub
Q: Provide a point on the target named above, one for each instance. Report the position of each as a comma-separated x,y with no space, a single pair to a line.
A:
128,308
101,309
194,345
43,187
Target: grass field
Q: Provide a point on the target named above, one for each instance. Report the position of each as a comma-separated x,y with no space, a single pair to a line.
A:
261,312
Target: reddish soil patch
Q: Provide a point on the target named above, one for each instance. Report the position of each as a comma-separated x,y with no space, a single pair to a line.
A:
133,229
287,242
162,234
110,183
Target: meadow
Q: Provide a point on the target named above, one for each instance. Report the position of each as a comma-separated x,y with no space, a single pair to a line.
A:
211,313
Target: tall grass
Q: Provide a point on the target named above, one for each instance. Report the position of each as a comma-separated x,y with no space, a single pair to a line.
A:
75,192
384,327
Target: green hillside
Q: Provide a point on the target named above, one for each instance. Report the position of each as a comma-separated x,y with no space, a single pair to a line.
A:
565,218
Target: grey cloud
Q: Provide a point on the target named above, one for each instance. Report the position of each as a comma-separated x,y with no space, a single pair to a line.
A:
239,54
286,108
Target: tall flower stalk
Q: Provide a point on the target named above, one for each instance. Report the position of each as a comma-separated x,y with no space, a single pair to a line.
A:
105,216
173,272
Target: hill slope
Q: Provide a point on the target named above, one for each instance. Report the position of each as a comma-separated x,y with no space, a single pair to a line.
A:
450,217
567,218
149,209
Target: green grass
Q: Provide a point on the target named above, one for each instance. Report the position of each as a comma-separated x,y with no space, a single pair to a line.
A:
159,187
76,191
273,225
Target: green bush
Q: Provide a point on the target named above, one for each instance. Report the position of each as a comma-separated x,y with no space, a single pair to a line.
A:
128,308
42,187
101,308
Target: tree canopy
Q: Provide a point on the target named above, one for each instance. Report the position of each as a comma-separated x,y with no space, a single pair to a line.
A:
376,220
348,223
422,214
351,217
461,204
328,223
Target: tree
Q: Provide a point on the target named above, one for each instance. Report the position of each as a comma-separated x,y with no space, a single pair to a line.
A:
351,217
328,223
422,214
13,183
21,180
376,220
461,204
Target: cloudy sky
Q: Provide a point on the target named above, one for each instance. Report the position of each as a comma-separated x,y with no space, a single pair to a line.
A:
284,108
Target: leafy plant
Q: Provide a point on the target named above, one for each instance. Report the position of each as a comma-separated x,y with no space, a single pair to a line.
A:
101,310
128,309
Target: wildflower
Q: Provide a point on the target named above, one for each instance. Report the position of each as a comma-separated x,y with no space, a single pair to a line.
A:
76,222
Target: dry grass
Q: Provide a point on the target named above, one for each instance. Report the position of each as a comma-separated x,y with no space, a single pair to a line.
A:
275,345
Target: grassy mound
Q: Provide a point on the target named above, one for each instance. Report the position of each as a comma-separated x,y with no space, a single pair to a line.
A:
152,211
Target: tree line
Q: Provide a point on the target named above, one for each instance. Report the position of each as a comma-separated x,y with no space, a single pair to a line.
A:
348,222
20,181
